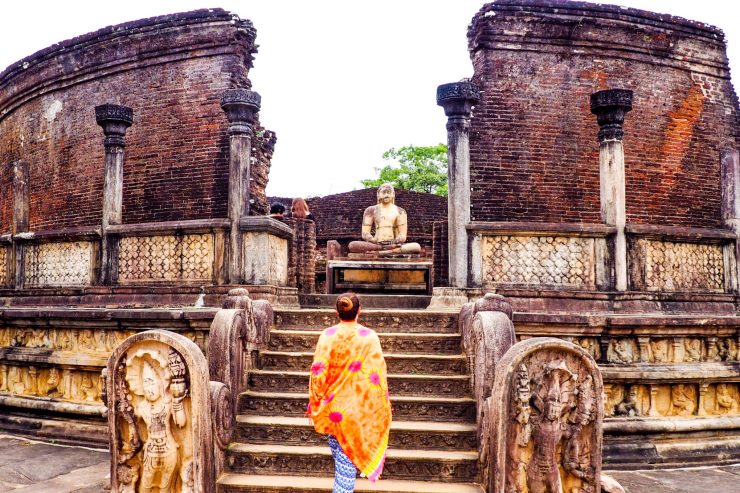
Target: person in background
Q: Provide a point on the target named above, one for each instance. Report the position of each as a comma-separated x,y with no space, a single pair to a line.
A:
277,210
348,396
299,209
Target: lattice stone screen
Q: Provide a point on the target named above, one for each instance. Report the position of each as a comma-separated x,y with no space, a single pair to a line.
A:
3,265
674,266
66,263
165,258
539,260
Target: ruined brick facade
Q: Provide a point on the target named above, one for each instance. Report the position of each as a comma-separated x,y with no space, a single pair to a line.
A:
172,70
534,153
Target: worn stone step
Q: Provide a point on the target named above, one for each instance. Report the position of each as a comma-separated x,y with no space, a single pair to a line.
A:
442,465
413,364
400,343
410,408
421,385
381,321
427,435
241,483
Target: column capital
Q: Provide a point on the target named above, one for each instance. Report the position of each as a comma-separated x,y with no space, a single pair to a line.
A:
115,120
610,107
458,98
240,106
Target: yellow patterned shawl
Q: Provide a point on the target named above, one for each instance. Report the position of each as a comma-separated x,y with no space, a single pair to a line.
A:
348,394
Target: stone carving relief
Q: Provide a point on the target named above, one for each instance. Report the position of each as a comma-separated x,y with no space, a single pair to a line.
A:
158,414
539,260
547,431
186,257
59,264
727,399
672,266
622,351
59,383
666,400
90,341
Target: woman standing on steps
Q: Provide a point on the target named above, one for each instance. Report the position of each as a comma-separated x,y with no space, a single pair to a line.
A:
348,396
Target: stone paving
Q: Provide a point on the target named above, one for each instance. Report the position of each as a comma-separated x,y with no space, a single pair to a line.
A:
28,466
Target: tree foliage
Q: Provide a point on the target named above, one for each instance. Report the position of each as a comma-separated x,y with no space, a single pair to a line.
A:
421,169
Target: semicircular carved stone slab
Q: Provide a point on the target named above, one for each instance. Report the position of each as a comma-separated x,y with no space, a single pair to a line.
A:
158,399
547,419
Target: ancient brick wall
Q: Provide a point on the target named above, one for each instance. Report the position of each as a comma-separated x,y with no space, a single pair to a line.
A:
534,154
440,254
302,254
172,70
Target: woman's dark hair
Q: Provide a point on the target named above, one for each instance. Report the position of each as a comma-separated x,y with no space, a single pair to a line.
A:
277,208
348,304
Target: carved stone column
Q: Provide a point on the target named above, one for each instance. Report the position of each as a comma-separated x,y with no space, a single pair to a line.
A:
241,107
730,168
610,107
115,120
21,210
458,99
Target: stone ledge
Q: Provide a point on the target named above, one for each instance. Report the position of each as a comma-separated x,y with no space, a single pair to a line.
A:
511,228
677,233
644,373
47,404
85,233
45,356
170,227
626,426
265,224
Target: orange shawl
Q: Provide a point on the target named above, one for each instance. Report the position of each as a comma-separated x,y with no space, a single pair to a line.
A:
348,394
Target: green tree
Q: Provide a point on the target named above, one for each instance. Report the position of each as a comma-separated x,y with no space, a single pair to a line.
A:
421,169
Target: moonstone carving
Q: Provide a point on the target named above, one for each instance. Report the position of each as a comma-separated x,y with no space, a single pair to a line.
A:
547,427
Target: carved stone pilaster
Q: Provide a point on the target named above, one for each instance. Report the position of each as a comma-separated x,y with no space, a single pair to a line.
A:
21,211
458,99
115,120
241,107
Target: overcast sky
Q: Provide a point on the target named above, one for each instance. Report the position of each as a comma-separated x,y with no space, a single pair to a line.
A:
341,81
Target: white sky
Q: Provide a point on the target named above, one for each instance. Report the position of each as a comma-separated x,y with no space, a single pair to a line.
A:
341,81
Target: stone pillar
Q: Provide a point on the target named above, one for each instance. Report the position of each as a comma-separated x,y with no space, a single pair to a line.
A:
458,99
730,169
115,120
610,107
241,107
21,210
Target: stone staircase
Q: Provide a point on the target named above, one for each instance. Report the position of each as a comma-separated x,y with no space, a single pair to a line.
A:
433,437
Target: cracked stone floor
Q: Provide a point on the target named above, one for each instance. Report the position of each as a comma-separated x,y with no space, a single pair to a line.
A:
28,466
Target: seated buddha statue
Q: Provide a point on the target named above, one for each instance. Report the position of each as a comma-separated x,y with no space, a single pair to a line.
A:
389,223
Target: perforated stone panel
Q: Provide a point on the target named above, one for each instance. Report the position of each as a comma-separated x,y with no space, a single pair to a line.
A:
165,258
671,266
67,263
539,260
3,265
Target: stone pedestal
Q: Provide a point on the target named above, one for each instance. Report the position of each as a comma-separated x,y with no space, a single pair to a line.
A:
398,276
265,251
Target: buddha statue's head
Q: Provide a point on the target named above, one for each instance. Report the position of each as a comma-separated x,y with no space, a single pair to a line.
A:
386,194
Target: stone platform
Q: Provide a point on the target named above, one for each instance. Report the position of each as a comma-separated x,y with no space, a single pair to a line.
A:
38,467
399,276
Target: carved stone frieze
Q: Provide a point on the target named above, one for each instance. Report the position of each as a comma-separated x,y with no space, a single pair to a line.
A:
59,264
539,260
58,383
300,341
380,322
547,430
164,258
673,266
159,415
88,341
672,400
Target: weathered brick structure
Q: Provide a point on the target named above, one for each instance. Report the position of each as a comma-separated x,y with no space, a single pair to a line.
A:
172,70
533,149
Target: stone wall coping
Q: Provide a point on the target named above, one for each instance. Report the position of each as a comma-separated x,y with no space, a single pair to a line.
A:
706,371
107,314
598,321
646,424
46,404
541,229
514,293
266,224
6,238
380,264
169,227
659,232
64,359
84,233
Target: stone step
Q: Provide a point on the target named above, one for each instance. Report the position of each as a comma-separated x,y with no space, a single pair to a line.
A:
404,434
407,408
412,364
420,385
241,483
400,343
396,321
272,459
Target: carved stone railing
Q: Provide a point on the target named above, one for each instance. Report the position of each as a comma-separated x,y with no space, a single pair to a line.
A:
61,258
543,255
167,252
673,259
487,333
